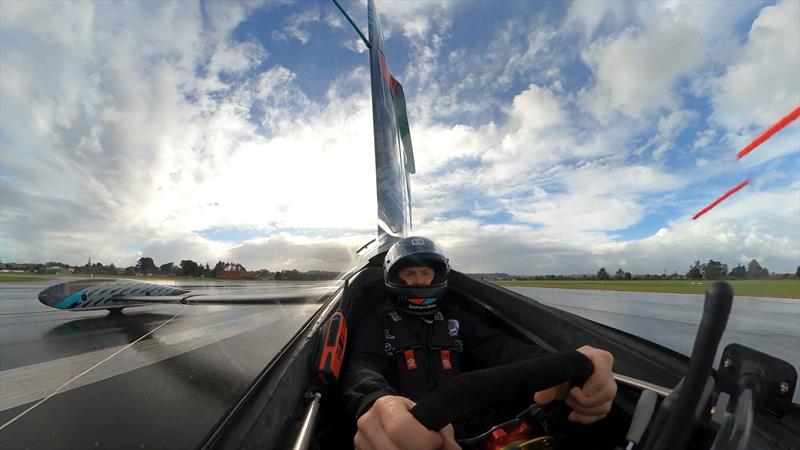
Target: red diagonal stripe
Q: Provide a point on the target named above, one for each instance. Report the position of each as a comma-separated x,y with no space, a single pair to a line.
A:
724,196
767,134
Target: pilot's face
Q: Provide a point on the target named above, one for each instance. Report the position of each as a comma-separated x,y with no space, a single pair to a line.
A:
417,275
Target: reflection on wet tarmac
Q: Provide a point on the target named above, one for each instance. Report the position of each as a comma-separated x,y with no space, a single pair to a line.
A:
168,389
770,325
128,327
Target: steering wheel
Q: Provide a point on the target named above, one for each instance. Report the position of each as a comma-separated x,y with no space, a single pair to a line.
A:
472,392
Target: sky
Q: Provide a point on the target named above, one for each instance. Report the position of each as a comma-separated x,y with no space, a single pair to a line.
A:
549,137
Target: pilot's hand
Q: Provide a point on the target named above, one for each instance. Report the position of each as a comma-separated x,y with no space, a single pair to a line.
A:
388,425
593,401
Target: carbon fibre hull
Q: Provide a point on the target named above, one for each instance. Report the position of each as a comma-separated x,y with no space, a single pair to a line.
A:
270,415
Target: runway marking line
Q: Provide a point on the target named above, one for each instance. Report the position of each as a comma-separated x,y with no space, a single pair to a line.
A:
90,369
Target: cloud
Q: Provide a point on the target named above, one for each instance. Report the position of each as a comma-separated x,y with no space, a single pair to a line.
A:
221,18
623,180
593,197
536,108
668,129
636,70
641,55
134,144
704,138
734,233
236,58
531,137
282,252
757,225
335,20
570,213
541,148
466,83
570,188
592,15
761,84
415,19
297,26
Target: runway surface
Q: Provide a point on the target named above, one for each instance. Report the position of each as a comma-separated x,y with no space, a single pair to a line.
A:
167,390
162,376
770,325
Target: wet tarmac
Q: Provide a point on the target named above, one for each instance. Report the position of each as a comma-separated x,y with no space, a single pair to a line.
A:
770,325
156,377
163,376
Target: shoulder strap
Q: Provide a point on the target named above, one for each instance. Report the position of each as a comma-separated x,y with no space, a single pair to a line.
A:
446,332
403,346
403,339
418,370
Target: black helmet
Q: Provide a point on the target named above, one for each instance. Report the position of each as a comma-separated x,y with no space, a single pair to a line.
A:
416,251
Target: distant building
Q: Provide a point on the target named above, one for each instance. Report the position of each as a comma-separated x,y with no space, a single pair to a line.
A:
234,273
55,270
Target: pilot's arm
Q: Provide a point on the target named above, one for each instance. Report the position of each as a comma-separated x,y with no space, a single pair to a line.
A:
592,401
384,418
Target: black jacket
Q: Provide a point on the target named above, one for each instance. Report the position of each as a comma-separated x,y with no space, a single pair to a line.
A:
373,366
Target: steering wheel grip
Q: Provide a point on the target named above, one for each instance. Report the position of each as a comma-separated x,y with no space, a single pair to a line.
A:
476,391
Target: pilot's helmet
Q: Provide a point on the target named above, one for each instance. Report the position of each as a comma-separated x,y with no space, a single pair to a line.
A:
416,251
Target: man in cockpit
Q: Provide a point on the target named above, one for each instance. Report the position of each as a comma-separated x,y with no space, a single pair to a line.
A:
404,349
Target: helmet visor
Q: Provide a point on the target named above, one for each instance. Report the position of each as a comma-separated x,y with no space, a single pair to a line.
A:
435,264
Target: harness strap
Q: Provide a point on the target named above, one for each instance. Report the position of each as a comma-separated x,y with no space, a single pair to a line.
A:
417,375
411,361
445,356
443,339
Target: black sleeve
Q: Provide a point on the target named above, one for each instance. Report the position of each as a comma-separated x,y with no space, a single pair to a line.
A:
488,347
367,368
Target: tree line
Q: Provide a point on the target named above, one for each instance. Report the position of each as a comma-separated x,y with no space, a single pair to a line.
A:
711,270
146,266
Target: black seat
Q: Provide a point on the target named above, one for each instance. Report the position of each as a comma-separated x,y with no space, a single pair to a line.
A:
365,291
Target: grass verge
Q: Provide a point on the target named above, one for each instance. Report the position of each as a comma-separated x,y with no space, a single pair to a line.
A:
21,277
749,288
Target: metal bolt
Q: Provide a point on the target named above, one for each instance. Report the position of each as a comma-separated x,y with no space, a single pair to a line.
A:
783,388
728,363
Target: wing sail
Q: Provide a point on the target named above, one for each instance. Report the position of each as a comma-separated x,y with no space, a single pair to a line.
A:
390,126
401,117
